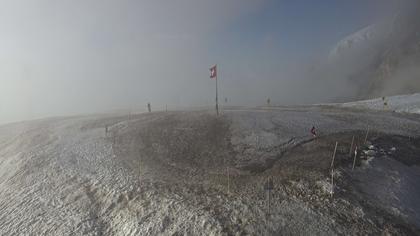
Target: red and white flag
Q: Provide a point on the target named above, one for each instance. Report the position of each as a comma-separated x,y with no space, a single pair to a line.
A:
213,72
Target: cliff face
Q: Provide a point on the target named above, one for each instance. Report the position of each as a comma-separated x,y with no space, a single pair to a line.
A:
382,59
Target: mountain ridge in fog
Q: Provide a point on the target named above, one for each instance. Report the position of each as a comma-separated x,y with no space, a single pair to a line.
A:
381,59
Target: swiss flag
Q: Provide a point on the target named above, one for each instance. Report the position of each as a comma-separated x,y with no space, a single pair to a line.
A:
213,72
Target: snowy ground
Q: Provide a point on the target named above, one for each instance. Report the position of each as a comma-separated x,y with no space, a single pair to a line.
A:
402,103
191,173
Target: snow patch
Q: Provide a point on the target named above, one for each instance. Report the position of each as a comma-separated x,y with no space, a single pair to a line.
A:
401,103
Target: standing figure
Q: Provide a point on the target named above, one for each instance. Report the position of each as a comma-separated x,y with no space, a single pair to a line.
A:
149,107
356,152
385,103
268,102
313,131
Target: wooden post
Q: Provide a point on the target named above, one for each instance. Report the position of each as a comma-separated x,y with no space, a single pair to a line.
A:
332,169
351,146
367,133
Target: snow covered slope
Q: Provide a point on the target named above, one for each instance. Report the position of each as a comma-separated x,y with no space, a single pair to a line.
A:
357,43
401,103
192,173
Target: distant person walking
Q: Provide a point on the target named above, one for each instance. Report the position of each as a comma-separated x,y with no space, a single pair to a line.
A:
149,107
268,102
313,131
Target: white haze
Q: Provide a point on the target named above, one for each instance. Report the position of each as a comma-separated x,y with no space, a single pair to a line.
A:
379,60
73,57
69,57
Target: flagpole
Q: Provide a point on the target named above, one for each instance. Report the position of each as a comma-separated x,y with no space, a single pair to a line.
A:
217,99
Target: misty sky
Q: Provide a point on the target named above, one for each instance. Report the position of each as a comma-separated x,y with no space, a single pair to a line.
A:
85,56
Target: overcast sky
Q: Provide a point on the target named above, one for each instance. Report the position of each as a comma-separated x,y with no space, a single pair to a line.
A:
64,57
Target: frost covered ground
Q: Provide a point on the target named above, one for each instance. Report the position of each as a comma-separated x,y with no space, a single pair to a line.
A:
192,173
401,103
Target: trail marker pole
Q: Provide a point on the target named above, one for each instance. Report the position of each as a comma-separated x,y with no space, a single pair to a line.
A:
332,169
351,146
333,157
367,133
269,186
129,118
228,177
269,193
332,183
140,168
355,155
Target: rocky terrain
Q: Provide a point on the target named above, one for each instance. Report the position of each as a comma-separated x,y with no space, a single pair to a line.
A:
192,173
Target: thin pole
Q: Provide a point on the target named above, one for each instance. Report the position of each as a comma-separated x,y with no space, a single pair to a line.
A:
332,170
351,146
217,97
367,132
355,155
228,175
269,193
332,182
335,150
140,168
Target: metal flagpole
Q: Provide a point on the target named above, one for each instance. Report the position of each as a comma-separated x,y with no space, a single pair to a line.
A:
217,99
